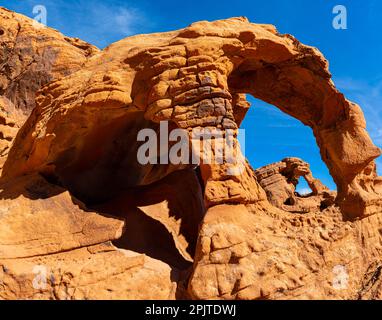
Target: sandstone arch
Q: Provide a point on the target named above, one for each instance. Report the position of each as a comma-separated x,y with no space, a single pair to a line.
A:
280,179
194,77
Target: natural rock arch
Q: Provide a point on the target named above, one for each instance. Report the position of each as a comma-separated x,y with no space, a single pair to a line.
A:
194,77
302,87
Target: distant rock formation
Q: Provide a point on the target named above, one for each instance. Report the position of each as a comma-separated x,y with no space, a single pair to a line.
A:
279,180
78,210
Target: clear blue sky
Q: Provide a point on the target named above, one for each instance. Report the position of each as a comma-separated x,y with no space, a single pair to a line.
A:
354,54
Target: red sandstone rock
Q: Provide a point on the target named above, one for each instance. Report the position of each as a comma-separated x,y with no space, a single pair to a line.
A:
144,79
254,252
279,180
75,200
31,56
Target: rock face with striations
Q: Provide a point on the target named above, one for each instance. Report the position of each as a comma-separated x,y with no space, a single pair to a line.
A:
78,210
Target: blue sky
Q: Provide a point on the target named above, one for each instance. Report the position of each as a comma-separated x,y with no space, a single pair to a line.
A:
354,54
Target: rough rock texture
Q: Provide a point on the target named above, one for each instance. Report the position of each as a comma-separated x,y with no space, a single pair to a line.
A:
41,224
11,120
95,272
76,205
256,252
32,55
279,180
192,77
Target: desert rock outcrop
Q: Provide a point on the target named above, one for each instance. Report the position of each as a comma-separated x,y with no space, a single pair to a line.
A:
43,226
252,252
32,55
75,200
193,77
279,180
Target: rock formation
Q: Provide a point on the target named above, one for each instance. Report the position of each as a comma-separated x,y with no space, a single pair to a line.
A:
30,57
279,180
193,77
78,210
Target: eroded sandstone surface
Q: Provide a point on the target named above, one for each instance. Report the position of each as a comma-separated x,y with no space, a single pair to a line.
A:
279,180
30,57
81,218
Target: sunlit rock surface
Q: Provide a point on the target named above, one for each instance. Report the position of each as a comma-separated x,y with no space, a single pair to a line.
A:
81,218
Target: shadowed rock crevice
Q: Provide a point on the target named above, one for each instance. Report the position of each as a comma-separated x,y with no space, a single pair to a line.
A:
162,219
159,245
371,287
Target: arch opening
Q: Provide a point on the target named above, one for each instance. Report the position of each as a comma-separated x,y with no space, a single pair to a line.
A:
302,88
271,135
302,188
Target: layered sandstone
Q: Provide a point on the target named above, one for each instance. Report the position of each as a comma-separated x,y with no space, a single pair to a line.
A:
75,200
42,225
